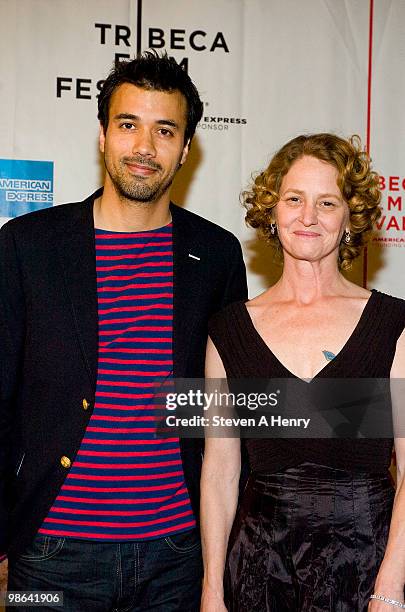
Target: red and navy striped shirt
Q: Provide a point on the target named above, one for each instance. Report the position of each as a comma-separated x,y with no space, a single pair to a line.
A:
127,483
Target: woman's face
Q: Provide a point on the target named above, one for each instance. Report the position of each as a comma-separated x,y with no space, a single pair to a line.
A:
311,214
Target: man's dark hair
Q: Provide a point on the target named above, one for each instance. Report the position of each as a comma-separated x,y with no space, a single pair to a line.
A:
153,72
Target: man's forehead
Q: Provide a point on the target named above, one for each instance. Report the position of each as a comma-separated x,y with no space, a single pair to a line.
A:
139,100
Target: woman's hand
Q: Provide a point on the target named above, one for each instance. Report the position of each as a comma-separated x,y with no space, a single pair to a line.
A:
212,601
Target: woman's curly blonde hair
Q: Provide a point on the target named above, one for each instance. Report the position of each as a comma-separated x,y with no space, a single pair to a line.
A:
358,184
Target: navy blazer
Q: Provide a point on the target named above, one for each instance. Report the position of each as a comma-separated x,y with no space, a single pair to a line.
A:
49,344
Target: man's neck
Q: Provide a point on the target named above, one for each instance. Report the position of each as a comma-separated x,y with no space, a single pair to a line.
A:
122,215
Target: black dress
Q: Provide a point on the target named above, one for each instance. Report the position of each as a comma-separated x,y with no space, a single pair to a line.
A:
313,521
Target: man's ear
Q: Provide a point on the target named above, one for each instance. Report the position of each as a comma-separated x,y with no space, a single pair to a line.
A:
185,152
101,138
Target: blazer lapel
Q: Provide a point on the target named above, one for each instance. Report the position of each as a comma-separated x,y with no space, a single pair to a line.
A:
77,254
76,248
189,266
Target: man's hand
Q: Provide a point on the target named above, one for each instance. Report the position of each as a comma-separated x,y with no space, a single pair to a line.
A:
3,573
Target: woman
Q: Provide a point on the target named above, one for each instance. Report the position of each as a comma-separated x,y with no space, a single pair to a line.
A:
312,528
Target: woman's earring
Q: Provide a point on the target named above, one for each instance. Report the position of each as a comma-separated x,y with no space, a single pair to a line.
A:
347,236
273,228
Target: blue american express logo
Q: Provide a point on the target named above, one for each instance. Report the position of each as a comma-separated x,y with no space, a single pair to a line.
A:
25,185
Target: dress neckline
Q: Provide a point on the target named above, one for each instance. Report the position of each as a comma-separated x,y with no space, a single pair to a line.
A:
330,365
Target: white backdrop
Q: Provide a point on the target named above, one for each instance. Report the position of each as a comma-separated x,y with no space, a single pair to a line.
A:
267,70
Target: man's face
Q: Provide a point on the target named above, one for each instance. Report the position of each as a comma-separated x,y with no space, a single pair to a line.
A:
143,145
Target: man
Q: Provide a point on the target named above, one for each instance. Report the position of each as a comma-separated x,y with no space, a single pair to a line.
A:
98,298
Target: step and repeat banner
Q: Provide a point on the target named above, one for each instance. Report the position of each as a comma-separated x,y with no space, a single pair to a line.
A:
267,70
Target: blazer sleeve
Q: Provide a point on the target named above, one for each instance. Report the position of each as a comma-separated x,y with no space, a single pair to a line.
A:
235,289
12,333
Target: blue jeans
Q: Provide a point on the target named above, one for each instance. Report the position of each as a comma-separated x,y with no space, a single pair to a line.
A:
161,575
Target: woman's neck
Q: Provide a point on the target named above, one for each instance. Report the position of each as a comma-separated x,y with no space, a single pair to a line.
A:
306,282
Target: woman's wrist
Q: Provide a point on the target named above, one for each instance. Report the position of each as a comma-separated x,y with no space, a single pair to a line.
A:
391,574
397,603
389,582
389,591
215,585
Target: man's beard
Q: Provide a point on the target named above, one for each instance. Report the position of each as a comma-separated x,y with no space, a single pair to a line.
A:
139,188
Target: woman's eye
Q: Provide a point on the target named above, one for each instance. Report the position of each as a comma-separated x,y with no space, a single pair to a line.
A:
293,199
327,204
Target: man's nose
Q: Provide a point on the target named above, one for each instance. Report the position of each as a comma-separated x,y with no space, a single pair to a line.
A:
143,143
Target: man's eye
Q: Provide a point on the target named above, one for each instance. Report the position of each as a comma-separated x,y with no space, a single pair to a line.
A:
165,132
127,126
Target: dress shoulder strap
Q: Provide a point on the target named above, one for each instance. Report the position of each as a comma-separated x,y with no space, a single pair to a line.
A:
229,332
374,347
